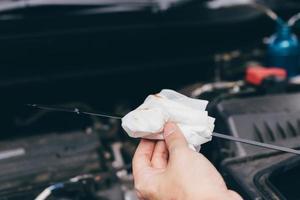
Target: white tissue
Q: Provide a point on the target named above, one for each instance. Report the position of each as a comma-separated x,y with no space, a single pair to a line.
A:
148,120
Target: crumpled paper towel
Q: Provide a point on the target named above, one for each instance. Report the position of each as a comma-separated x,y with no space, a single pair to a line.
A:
148,120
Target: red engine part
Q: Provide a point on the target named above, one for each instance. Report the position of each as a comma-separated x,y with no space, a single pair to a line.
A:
256,75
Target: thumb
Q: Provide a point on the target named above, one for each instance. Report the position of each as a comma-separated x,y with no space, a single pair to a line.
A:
174,138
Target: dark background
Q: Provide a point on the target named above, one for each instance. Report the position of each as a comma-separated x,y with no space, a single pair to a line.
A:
57,55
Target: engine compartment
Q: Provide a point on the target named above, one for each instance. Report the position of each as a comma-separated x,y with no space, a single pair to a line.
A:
109,62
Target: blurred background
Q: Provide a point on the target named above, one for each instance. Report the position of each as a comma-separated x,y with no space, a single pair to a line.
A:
108,55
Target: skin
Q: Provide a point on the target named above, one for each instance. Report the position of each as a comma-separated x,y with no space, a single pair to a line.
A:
170,170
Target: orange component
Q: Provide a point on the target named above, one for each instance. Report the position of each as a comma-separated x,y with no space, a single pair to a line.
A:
255,75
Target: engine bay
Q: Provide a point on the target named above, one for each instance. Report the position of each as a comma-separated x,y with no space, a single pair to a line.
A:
108,59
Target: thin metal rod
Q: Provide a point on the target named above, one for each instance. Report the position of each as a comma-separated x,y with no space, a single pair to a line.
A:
218,135
101,115
72,110
259,144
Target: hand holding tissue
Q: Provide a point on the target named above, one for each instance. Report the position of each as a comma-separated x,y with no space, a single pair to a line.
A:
148,120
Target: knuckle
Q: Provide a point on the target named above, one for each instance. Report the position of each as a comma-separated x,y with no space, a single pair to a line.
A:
144,190
139,187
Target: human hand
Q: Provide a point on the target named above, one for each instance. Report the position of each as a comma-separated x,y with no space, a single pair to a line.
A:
170,170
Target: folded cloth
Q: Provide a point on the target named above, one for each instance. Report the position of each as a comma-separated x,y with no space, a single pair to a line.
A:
148,120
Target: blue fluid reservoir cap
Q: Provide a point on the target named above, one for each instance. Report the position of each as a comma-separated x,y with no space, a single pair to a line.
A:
284,51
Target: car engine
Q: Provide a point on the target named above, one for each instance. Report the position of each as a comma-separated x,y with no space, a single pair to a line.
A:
107,56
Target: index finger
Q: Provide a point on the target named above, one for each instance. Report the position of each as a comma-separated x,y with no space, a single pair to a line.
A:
142,156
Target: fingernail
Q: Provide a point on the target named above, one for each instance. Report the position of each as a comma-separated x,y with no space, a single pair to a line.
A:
169,129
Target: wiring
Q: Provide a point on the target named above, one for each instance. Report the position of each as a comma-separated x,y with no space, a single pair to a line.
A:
269,12
292,21
251,3
74,183
46,193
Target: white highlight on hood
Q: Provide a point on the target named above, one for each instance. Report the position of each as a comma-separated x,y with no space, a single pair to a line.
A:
227,3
